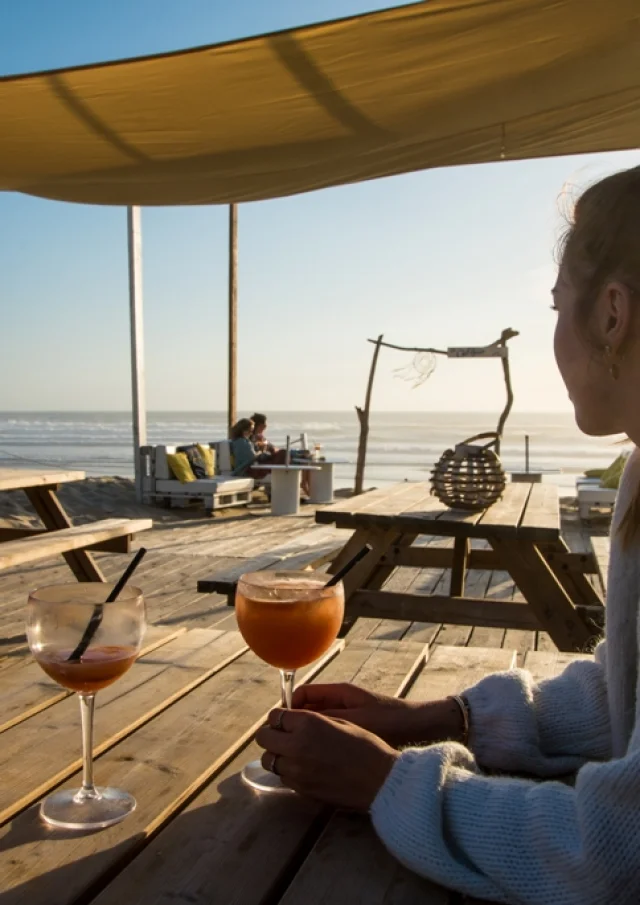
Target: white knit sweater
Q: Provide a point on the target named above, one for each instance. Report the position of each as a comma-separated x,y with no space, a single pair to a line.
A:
526,842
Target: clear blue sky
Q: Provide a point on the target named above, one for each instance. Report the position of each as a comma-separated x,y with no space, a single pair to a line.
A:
438,258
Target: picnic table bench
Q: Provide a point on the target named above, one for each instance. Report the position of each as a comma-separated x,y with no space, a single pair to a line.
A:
20,546
310,550
519,534
175,731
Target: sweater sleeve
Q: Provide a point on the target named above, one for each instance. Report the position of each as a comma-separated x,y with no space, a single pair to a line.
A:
513,840
545,729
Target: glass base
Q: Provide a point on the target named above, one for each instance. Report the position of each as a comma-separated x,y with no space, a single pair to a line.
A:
71,810
255,776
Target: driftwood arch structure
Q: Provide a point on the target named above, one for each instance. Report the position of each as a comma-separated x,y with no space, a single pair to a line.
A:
497,349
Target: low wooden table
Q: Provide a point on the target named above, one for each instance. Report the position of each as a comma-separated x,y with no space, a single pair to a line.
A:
520,533
175,731
59,536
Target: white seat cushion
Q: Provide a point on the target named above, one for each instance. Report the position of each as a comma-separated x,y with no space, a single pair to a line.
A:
597,494
204,486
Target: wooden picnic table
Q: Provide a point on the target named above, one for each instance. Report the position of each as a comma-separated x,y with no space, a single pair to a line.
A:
519,534
175,731
19,546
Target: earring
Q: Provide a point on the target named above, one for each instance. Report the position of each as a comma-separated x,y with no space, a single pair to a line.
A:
614,369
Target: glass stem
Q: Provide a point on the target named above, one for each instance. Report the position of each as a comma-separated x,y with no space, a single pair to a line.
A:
287,678
88,789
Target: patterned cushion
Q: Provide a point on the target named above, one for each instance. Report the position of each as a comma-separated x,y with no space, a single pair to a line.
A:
196,460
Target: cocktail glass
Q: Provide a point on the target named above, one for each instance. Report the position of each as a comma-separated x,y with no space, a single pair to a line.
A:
289,619
58,620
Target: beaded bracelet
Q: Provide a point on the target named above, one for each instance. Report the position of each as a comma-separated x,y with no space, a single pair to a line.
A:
464,711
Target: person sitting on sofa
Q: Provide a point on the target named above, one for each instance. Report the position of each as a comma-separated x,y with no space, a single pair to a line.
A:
258,438
254,450
242,448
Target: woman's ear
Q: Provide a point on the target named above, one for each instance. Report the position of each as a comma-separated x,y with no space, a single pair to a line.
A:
614,316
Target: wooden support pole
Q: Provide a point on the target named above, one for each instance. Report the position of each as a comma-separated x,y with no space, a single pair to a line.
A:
461,549
504,339
138,405
232,402
363,418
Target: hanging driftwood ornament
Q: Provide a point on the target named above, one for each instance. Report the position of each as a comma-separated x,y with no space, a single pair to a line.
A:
470,476
418,372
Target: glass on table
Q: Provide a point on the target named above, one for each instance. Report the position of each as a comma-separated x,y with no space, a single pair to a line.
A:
289,619
85,644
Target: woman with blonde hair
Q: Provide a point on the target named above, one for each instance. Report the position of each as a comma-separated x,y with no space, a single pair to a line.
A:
442,780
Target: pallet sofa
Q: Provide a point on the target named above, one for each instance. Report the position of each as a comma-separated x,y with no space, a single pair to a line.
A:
592,495
598,488
219,492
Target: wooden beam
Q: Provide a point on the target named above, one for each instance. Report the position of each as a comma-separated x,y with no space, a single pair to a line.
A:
53,517
115,545
459,566
545,595
232,401
19,533
138,392
441,608
577,586
451,610
447,524
363,418
442,558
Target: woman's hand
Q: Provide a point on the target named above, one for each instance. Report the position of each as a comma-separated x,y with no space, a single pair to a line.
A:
324,759
397,722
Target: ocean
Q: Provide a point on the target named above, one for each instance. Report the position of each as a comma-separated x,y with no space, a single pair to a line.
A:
402,445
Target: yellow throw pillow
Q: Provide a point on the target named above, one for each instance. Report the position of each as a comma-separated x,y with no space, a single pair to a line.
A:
180,467
611,477
594,472
209,458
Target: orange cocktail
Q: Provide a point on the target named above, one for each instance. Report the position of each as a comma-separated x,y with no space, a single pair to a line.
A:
288,619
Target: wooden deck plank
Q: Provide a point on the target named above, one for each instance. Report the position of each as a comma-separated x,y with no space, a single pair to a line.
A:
28,691
157,680
547,664
449,670
349,864
501,587
415,501
401,580
380,513
165,764
506,514
541,518
360,503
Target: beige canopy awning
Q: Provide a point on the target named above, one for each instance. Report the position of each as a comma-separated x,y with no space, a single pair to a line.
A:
434,84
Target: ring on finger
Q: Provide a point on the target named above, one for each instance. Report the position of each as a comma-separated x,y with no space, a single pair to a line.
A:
273,768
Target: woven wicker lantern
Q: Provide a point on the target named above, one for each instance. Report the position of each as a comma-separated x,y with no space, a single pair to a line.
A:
470,476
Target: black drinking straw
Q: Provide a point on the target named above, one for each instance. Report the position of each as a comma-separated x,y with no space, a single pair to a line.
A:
98,610
349,566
